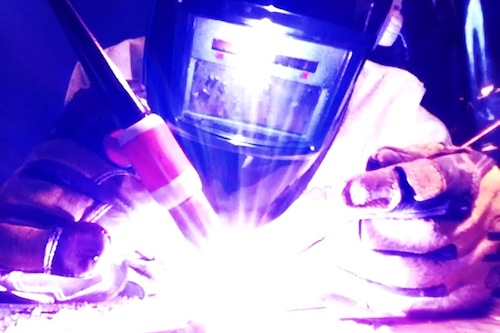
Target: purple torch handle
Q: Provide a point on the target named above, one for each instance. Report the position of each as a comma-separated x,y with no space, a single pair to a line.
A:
147,141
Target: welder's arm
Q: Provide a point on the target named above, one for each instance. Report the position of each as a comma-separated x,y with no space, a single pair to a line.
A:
429,226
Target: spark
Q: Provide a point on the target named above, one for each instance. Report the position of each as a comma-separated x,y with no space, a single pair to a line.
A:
486,91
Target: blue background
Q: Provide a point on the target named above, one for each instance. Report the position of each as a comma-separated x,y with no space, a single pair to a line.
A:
36,61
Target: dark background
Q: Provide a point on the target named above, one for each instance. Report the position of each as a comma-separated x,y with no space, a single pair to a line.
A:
36,62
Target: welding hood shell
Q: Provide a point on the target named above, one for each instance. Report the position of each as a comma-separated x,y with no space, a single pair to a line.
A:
255,91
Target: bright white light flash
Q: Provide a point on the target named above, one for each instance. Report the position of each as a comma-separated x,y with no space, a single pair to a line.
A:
238,139
237,283
485,91
273,9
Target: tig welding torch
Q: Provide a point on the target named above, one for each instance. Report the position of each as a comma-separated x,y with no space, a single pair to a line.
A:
146,140
481,135
490,148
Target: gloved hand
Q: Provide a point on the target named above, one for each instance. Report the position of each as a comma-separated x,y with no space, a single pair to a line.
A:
428,230
73,225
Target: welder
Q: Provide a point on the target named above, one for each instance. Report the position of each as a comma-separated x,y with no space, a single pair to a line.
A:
289,128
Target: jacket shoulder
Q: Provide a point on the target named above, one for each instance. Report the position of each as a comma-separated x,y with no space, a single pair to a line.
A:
126,55
392,97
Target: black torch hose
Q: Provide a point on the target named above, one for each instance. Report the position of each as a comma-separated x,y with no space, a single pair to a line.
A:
100,70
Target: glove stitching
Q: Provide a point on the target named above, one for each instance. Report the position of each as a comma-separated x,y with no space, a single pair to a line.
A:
96,214
62,175
50,250
103,178
111,174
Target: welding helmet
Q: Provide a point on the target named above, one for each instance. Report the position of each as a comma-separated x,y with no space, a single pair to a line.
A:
255,91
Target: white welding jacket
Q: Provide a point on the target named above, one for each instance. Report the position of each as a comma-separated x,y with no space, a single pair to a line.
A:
384,110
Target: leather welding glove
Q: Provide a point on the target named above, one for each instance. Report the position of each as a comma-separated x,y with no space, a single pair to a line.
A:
428,230
73,225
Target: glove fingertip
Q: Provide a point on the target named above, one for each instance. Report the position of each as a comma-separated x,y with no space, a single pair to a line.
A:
79,248
377,190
